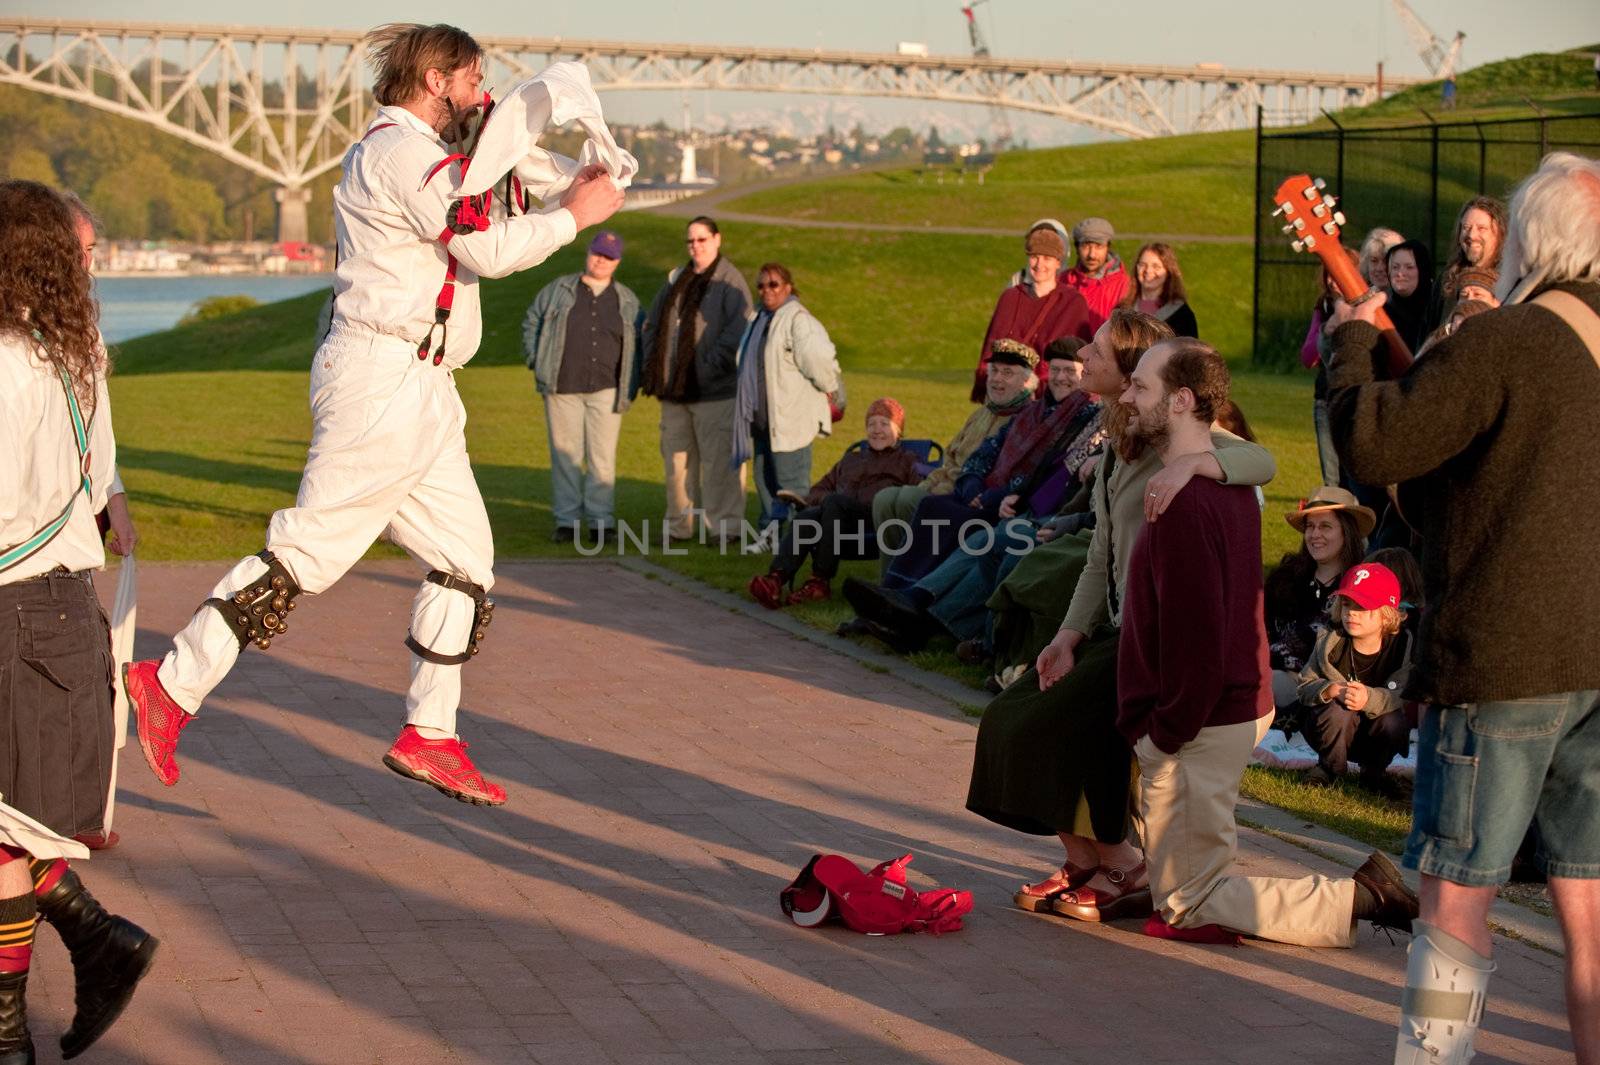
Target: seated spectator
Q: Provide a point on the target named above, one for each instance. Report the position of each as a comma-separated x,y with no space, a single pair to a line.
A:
1333,528
1478,284
953,595
1009,386
1038,310
999,468
1351,686
1313,352
789,378
834,519
1410,291
1098,274
1160,292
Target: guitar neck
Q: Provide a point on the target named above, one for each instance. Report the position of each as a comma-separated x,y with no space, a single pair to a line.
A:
1353,286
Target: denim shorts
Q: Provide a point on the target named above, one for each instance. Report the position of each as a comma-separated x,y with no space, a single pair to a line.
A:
1485,771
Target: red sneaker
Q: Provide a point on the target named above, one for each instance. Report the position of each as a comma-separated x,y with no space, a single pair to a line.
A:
443,764
98,841
814,590
767,589
159,718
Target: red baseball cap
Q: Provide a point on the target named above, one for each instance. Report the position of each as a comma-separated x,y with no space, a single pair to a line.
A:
1370,585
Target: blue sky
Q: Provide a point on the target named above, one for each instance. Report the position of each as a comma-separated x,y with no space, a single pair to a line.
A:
1254,33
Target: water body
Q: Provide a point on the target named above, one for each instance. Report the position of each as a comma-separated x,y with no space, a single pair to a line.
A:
134,306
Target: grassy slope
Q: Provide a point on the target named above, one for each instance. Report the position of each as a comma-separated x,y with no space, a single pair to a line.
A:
1198,184
1561,82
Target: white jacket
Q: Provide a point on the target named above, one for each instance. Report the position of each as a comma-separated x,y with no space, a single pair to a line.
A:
801,369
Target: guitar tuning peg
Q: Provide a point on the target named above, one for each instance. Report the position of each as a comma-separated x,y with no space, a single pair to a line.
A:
1330,228
1319,211
1309,193
1328,199
1276,211
1289,228
1311,242
1320,184
1299,223
1338,218
1298,245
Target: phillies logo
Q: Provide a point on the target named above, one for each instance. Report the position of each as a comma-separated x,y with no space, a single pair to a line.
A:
1361,575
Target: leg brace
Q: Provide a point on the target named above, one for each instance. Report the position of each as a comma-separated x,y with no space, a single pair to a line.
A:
259,612
482,614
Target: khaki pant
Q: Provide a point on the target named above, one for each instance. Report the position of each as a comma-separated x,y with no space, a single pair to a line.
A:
583,432
896,503
697,452
1186,804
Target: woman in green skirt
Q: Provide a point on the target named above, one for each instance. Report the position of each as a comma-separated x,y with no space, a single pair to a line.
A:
1049,760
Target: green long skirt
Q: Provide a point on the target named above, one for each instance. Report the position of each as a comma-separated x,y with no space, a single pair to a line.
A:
1029,604
1053,761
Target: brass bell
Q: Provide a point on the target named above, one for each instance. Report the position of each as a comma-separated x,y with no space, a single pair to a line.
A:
254,633
241,597
270,621
264,642
473,649
277,602
288,604
257,610
279,584
477,636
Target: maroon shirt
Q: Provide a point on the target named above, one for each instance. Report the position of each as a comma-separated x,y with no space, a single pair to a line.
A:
1193,651
1020,315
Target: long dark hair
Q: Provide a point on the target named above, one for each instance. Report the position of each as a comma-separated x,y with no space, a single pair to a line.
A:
45,289
1298,567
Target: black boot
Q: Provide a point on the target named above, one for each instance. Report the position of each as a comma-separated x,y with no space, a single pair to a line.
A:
110,955
16,1045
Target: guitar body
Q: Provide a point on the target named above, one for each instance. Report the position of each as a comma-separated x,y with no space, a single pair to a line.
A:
1315,225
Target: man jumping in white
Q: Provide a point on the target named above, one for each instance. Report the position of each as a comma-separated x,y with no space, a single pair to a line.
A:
388,448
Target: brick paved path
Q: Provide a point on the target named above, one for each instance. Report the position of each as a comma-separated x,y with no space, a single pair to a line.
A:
670,765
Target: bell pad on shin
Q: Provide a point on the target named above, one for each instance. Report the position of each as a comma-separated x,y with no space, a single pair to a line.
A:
259,611
482,614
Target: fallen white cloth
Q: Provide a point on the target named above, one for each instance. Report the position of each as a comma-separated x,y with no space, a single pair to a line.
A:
559,95
19,830
1279,753
124,621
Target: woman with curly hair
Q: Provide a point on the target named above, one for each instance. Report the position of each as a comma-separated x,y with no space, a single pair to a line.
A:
57,457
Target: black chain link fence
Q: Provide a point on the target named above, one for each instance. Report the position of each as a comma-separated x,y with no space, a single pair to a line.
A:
1410,178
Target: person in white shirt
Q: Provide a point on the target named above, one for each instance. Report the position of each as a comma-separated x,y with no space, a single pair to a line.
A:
388,450
57,459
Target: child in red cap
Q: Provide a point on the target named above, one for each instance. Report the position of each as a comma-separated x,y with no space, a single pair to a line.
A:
1354,680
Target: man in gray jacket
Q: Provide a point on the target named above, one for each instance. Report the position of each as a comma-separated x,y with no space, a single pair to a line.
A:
581,341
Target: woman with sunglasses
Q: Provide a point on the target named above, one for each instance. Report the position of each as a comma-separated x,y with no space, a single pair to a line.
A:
790,392
691,360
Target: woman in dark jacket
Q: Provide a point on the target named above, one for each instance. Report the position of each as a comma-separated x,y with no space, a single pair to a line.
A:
1410,291
1160,291
836,515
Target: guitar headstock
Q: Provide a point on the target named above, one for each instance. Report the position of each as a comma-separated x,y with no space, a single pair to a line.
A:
1311,213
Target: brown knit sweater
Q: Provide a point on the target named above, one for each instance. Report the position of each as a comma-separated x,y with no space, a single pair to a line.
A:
1494,428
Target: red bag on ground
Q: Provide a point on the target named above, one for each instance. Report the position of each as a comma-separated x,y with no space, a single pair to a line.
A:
831,887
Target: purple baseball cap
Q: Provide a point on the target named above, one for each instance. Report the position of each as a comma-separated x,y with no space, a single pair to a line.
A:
606,243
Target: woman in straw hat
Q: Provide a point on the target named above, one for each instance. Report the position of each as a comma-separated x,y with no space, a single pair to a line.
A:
1333,529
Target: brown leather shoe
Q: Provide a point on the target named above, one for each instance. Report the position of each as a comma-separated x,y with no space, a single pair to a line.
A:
973,652
1393,904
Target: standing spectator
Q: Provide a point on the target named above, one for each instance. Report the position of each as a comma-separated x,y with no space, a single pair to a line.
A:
836,520
1039,309
1333,528
1193,694
1352,682
1480,234
1500,447
1312,354
788,374
1098,274
1160,292
1021,276
1374,255
581,340
57,457
690,358
1410,291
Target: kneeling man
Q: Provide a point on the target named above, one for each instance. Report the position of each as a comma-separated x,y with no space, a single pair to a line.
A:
1193,686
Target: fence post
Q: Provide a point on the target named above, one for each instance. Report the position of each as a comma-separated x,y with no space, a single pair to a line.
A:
1433,199
1483,160
1255,280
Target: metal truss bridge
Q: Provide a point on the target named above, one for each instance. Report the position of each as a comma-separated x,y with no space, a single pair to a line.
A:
285,103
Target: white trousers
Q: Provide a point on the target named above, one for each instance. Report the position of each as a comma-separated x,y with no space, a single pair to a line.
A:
583,427
388,457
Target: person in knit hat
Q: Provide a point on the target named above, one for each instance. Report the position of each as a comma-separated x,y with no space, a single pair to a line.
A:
1037,310
1477,284
833,521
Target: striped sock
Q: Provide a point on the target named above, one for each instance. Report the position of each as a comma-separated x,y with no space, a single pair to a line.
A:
46,873
18,916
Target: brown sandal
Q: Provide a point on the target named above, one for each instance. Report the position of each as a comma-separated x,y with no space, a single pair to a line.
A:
1096,905
1037,898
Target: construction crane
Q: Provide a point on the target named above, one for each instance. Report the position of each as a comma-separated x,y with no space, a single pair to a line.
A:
980,49
1439,57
